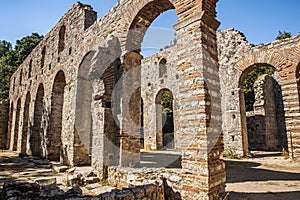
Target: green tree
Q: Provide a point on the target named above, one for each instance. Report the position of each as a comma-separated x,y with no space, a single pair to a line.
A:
5,47
283,35
249,82
10,59
25,46
5,73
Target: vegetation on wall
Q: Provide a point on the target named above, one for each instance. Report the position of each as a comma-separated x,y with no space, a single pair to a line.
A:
283,35
249,83
11,58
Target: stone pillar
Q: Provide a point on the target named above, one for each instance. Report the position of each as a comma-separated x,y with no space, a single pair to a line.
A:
199,107
4,116
131,110
102,79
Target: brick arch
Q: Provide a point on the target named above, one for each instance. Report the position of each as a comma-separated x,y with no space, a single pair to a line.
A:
285,59
142,20
277,59
143,12
249,69
274,59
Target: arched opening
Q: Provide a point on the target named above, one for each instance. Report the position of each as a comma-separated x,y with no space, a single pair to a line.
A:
83,114
25,128
14,84
29,68
54,145
262,109
162,26
35,139
43,57
17,125
146,16
136,42
162,67
61,41
164,120
21,76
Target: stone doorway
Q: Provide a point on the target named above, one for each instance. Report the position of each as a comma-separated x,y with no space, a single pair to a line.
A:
54,145
164,120
37,132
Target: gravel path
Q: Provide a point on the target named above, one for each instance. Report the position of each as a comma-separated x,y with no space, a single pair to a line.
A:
267,176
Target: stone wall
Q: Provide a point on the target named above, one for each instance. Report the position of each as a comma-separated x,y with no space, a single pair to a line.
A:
4,117
232,45
283,55
172,180
35,191
152,84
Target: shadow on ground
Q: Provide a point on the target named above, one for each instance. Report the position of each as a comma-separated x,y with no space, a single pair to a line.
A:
160,159
263,196
241,171
262,178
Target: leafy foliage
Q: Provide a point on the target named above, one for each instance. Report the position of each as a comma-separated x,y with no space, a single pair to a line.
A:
167,102
10,59
5,73
5,47
283,35
249,82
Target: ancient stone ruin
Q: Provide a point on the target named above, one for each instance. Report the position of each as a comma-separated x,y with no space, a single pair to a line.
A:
86,96
276,98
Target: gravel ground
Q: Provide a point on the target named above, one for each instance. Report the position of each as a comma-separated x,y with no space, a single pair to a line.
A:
266,176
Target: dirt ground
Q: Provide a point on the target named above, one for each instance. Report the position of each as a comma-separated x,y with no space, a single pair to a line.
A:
266,176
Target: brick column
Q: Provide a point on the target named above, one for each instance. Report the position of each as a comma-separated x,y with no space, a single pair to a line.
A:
131,110
199,108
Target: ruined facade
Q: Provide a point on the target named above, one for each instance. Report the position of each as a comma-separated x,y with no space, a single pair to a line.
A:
85,95
237,58
77,97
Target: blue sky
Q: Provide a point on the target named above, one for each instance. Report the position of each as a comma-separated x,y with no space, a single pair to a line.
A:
260,20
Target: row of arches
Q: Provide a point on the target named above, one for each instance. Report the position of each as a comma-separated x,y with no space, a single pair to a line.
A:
29,132
140,16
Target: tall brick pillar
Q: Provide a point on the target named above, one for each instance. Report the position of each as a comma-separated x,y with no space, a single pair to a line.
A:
131,110
199,103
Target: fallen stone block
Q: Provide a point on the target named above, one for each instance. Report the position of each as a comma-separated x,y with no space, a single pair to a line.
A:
45,181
